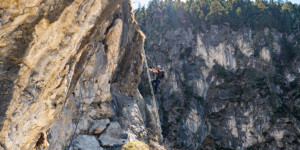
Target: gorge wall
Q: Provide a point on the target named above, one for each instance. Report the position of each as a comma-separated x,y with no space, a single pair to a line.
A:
71,77
69,72
221,92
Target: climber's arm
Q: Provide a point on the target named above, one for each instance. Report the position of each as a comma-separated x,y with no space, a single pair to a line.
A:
153,70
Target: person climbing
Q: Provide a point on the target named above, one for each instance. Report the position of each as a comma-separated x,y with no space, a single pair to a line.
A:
159,75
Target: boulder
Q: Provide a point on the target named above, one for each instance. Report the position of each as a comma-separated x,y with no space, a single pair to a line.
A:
86,142
98,126
113,135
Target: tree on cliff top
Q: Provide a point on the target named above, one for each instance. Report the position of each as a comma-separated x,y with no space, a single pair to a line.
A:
284,17
216,12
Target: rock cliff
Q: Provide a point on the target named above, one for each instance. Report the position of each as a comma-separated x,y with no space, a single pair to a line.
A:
71,77
220,91
69,72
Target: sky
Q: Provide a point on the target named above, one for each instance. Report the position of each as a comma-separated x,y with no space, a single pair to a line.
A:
135,3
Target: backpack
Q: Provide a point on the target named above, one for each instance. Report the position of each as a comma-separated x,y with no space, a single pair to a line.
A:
162,74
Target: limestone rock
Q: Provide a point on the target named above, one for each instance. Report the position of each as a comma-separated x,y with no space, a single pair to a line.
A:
86,142
113,135
220,92
67,67
58,61
42,143
98,126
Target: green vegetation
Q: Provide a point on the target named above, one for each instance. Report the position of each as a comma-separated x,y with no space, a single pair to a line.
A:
258,15
178,119
284,17
289,52
296,113
273,99
199,98
222,148
187,52
265,134
273,120
295,141
215,115
188,91
216,12
260,40
135,145
221,72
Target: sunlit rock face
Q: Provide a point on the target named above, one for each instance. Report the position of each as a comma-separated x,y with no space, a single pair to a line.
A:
61,61
221,91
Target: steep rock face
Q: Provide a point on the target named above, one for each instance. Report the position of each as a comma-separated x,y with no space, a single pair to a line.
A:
220,92
61,63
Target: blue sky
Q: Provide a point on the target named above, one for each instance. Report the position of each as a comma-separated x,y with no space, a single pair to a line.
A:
135,3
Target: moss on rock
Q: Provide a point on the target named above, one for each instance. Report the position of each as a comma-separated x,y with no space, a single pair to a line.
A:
136,145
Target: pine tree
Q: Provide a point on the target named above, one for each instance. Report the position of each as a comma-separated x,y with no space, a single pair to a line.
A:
216,12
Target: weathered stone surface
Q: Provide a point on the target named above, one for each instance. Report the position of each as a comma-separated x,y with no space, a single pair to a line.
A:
67,66
220,92
98,126
58,62
99,112
113,135
136,116
86,142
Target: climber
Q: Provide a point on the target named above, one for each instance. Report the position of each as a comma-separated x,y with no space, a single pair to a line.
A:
159,75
